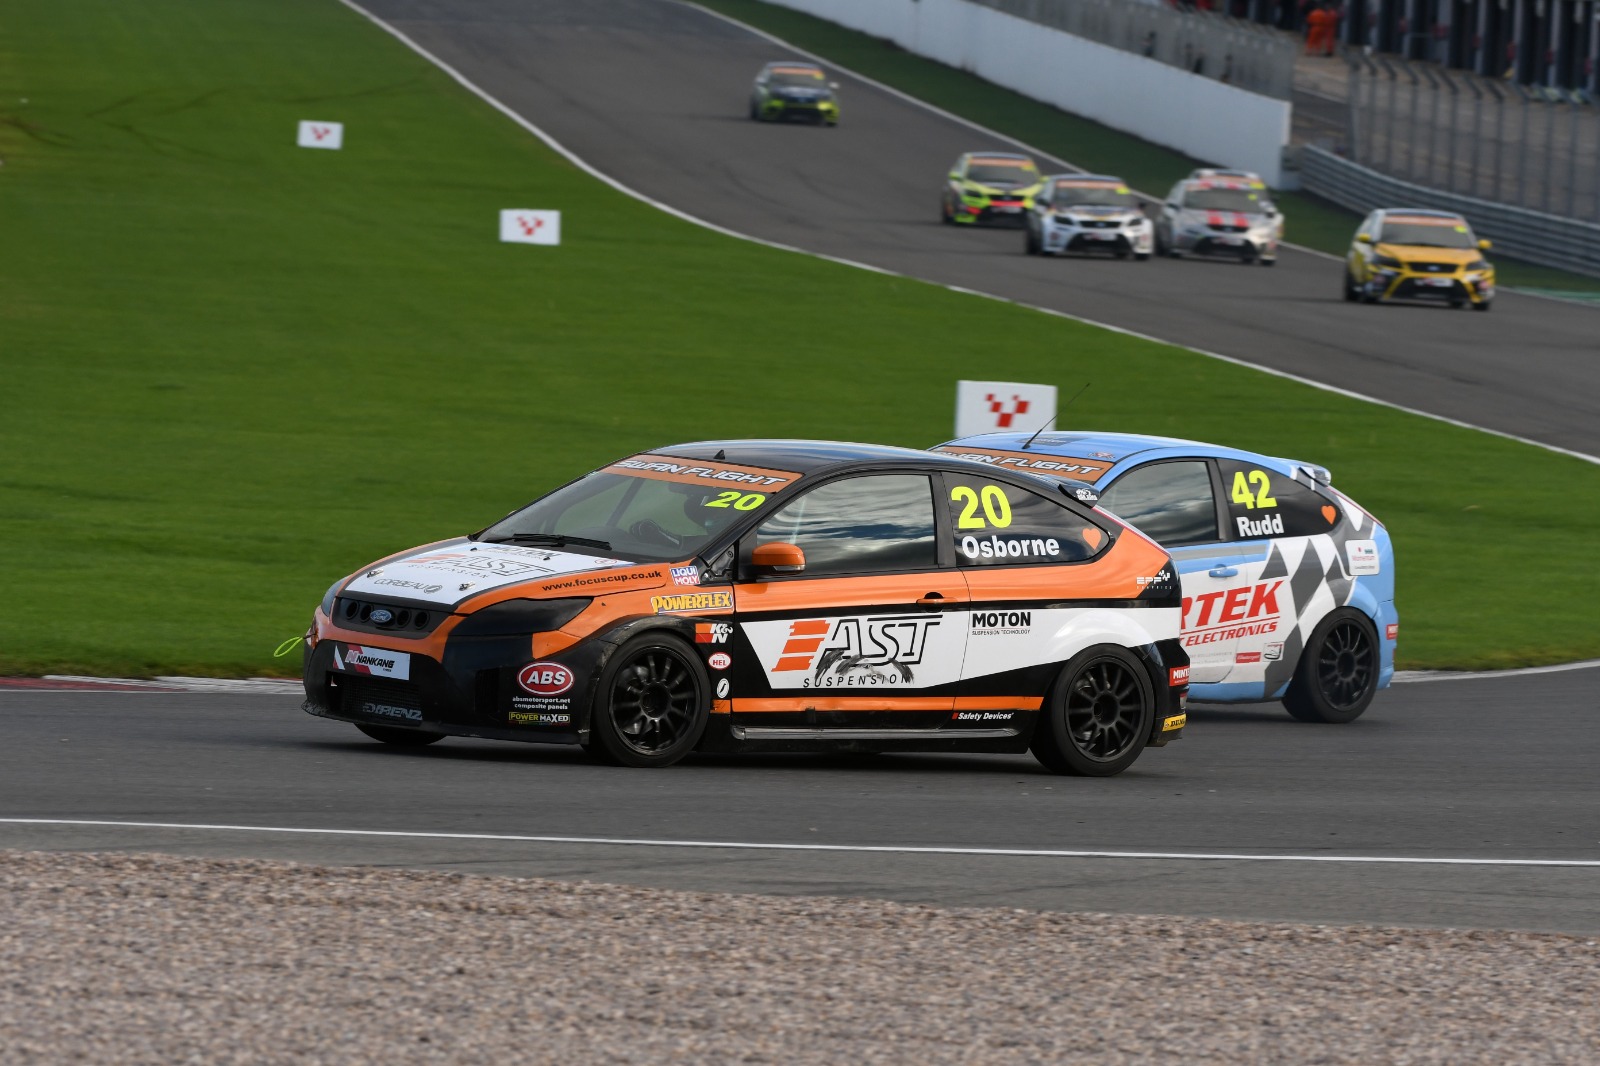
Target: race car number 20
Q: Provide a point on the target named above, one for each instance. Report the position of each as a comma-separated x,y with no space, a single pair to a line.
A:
996,508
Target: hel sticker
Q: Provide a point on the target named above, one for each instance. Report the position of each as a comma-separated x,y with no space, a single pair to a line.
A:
693,601
1168,725
373,662
719,660
1363,557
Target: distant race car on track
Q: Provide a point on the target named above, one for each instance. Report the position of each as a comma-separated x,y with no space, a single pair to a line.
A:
771,595
789,90
1411,254
1220,216
1288,584
989,187
1088,213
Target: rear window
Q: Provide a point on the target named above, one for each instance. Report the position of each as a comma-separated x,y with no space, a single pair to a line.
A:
996,524
1172,503
1264,503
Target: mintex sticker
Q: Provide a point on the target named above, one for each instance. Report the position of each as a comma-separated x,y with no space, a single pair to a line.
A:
1363,556
373,662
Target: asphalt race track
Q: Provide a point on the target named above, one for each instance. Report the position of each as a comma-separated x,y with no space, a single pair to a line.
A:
653,94
1498,769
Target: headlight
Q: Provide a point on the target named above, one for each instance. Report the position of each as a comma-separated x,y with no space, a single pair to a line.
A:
329,596
1478,264
515,618
1387,261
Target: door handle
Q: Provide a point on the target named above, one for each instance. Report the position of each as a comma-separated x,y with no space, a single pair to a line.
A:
932,599
1222,571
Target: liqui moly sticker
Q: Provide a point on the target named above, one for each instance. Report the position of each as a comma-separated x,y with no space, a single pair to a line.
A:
321,135
373,662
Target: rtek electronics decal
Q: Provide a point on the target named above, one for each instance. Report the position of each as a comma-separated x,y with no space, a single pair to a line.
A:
1079,469
689,471
374,662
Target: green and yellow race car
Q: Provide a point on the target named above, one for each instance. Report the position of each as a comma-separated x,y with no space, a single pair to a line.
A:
990,187
787,90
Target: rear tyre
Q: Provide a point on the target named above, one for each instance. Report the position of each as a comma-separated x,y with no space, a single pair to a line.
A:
400,738
1031,243
1337,675
652,703
1141,256
1098,715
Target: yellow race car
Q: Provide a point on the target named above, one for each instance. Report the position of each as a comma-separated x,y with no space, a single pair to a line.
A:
1412,254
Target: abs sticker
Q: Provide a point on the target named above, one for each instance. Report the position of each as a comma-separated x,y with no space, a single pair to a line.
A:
544,679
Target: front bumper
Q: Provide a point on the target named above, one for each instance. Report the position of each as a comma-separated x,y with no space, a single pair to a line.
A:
1227,245
813,111
1120,240
973,210
1387,284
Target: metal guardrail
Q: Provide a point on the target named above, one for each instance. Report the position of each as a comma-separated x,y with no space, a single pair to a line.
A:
1532,236
1244,54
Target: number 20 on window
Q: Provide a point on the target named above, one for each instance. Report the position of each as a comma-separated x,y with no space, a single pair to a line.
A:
996,508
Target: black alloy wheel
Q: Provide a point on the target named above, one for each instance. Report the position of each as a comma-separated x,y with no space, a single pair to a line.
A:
400,738
1098,716
1337,675
652,703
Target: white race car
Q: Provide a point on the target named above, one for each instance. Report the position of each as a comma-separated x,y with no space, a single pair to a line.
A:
1220,215
1088,213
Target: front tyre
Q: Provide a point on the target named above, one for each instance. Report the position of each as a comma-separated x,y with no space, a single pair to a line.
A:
1482,305
1337,675
400,738
652,703
1098,715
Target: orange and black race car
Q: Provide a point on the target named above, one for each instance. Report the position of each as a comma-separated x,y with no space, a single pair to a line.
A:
771,595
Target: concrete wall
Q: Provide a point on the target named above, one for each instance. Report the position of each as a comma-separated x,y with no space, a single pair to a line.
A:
1200,117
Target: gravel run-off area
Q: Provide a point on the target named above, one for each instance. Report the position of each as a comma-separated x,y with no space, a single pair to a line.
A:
153,959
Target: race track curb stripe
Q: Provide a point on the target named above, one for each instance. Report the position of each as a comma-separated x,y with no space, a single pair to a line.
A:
589,169
875,849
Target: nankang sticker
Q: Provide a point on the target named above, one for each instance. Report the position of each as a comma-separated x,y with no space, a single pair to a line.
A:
373,662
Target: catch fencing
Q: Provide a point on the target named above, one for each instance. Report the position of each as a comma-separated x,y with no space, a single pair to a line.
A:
1534,236
1482,138
1242,53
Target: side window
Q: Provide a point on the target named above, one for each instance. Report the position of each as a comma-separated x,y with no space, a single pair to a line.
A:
1169,502
995,524
860,525
1264,503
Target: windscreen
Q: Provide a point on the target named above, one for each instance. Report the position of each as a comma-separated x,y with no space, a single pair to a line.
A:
647,508
1002,172
1095,194
1224,198
795,76
1427,233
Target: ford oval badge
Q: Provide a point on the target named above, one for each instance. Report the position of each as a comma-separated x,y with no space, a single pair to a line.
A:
382,616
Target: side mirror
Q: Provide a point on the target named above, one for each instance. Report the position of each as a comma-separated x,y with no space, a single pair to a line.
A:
1484,246
779,557
1363,238
1172,205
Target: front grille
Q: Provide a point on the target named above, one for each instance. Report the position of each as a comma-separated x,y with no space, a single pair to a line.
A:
378,700
401,619
1434,268
1228,229
1090,223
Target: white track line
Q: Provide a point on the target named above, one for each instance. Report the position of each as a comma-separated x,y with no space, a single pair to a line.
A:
587,168
875,849
1403,677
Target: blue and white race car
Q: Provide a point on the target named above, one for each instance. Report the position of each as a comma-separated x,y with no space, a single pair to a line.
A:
1288,584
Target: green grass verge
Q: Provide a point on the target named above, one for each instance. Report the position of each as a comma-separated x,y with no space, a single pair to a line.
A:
235,370
1313,222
